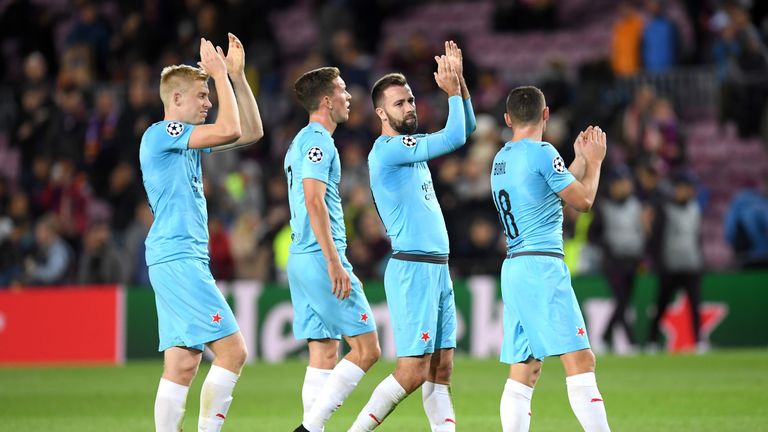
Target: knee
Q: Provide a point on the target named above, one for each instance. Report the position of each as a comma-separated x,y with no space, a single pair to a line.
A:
413,378
239,356
371,354
181,371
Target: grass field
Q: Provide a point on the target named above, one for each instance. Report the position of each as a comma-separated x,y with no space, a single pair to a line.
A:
721,391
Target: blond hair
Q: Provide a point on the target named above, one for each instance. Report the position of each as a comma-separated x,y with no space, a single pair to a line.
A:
177,77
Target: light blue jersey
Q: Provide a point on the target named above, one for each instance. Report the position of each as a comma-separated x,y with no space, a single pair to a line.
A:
417,281
173,180
525,179
401,182
313,154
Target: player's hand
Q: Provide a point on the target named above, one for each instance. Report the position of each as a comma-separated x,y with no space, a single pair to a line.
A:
579,143
446,77
594,146
341,283
210,61
453,53
235,57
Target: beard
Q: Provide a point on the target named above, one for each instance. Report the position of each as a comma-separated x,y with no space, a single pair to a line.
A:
406,126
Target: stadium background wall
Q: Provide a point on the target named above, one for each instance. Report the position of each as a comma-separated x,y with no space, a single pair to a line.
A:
63,326
734,314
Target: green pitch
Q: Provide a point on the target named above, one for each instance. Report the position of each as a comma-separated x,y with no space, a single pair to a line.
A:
722,391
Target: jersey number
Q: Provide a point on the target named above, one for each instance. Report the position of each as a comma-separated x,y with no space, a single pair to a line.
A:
504,207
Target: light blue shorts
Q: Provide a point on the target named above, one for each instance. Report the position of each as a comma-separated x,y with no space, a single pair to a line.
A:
317,313
421,306
191,311
541,314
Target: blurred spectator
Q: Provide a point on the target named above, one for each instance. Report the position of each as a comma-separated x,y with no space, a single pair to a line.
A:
100,152
243,244
222,264
635,122
370,247
34,132
69,124
676,242
742,63
746,227
140,111
482,252
664,140
67,197
52,260
661,38
14,245
92,30
101,262
123,194
618,229
354,65
626,40
133,244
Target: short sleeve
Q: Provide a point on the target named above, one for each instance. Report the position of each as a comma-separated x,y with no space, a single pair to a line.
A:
172,135
318,156
545,160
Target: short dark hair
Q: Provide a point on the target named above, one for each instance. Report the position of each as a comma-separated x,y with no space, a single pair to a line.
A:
314,84
385,82
525,105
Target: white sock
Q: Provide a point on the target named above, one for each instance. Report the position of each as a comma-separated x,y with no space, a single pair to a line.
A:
314,380
169,406
215,398
340,383
516,407
438,406
587,403
384,399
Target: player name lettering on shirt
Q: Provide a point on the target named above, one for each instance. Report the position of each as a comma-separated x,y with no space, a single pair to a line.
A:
499,168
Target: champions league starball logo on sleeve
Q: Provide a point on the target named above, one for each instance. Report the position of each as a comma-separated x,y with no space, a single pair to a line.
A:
558,164
315,154
409,141
174,129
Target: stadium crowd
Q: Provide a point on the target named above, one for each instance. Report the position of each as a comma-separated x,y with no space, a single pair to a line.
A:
79,88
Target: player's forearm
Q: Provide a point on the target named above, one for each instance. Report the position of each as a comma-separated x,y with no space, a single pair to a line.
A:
321,227
470,123
590,180
228,119
578,167
464,88
453,136
248,109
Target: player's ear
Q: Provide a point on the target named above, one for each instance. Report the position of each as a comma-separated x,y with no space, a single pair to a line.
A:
177,98
545,115
382,115
507,120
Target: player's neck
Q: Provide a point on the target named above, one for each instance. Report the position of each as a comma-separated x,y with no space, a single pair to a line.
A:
324,119
533,133
387,130
172,116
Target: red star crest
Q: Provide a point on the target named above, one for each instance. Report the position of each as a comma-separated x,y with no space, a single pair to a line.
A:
364,317
580,331
424,336
216,318
677,328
